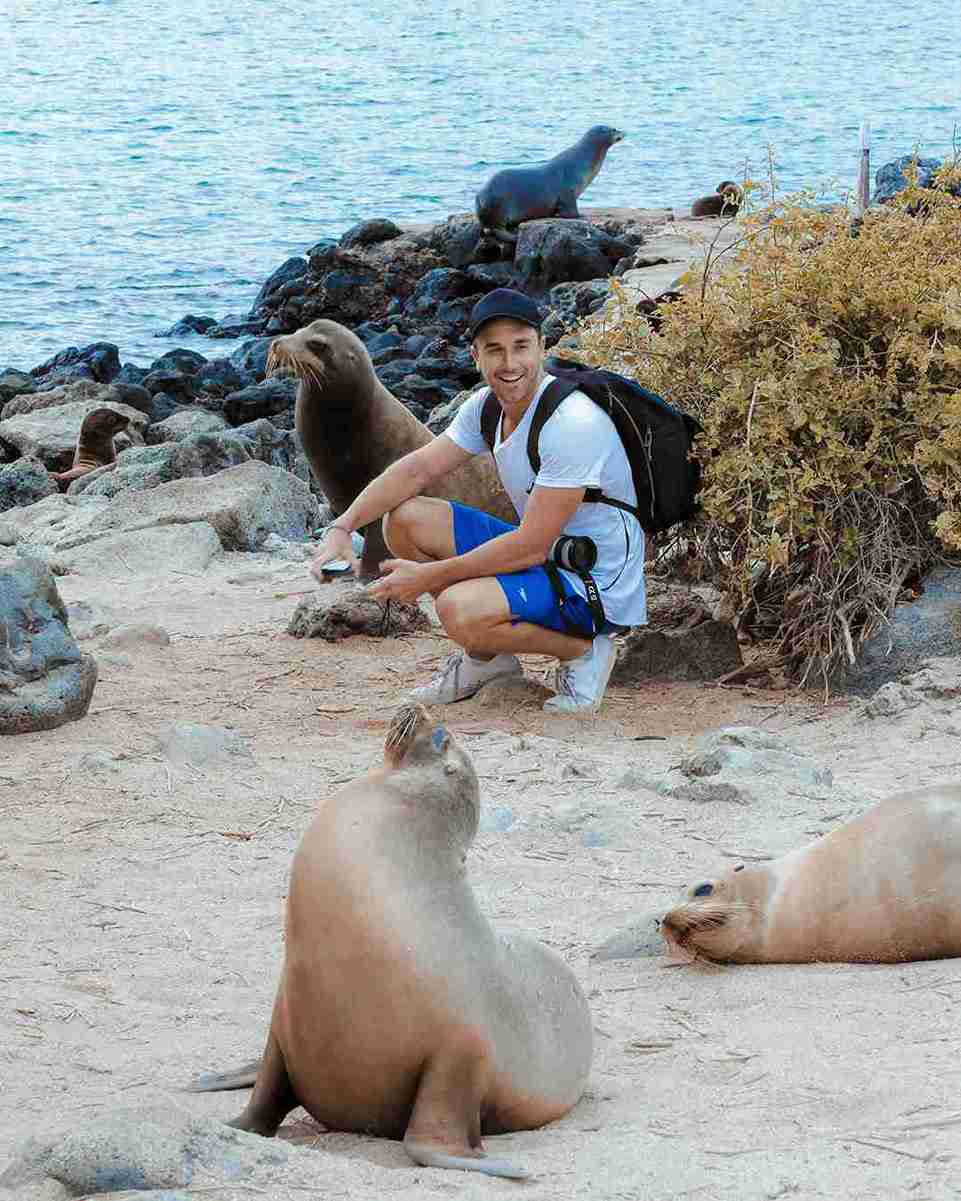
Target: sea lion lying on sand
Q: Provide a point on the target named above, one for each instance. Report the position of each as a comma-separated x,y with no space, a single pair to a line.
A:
884,888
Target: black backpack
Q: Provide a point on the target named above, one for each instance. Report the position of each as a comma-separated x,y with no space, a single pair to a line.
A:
657,439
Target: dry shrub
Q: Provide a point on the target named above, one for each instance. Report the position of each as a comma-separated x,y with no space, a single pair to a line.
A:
824,360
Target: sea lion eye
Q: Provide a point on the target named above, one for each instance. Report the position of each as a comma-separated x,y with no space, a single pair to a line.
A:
703,890
317,345
739,868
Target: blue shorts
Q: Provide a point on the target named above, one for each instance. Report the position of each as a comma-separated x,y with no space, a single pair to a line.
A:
529,592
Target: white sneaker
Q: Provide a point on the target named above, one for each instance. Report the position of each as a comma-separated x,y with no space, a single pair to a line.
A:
580,683
461,676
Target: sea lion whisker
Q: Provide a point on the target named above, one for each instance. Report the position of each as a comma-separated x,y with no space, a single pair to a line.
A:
404,724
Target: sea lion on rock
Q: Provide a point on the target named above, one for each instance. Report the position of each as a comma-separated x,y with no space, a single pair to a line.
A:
352,428
549,190
725,202
400,1012
884,888
95,446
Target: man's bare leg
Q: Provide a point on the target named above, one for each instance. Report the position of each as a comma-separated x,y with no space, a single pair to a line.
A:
421,530
476,616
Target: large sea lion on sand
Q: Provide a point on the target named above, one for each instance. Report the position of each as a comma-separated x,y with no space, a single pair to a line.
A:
884,888
550,189
95,446
352,428
400,1011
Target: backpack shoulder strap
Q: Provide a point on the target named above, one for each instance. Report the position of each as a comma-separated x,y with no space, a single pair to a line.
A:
490,415
547,406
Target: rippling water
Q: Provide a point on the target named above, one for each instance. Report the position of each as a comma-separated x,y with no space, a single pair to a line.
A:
161,158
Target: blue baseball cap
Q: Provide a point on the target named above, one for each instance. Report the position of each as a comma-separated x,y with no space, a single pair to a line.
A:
503,302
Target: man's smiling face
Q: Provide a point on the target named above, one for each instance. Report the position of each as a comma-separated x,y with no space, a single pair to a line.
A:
509,355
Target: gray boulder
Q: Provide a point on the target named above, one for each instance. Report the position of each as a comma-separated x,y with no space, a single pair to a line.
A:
243,504
42,525
85,389
200,454
922,629
183,424
23,482
189,548
14,383
44,679
50,435
144,1151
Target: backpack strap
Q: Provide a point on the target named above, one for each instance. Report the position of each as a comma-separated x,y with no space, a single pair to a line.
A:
490,415
547,406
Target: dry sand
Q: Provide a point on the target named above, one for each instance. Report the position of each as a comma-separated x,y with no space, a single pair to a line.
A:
142,900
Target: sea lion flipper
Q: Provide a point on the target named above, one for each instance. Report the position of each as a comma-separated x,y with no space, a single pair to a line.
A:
445,1126
432,1157
216,1082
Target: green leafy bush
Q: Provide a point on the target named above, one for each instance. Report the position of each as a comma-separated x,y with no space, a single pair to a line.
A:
823,358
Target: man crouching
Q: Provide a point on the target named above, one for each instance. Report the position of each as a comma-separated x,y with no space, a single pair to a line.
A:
496,590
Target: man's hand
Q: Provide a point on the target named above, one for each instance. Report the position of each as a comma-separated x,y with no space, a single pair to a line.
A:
335,544
403,580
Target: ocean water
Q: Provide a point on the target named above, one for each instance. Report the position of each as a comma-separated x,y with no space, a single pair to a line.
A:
159,157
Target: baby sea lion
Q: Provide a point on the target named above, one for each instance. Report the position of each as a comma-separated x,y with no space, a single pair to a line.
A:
884,888
400,1011
725,202
352,428
95,446
550,189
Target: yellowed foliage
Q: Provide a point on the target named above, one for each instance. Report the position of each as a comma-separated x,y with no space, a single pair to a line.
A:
824,361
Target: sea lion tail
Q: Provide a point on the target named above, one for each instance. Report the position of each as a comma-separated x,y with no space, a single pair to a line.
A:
429,1157
216,1082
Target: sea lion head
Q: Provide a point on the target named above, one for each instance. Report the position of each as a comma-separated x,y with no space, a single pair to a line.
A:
732,194
604,135
718,918
425,761
102,424
329,360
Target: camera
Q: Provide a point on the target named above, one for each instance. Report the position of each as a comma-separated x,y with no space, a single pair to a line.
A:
575,553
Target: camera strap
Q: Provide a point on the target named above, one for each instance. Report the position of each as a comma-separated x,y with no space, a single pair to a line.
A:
590,586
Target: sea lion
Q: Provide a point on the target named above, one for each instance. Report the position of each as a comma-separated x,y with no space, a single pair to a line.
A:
884,888
400,1012
352,428
95,446
725,202
550,189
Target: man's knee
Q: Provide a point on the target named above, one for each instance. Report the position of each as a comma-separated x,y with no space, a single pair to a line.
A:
466,607
404,522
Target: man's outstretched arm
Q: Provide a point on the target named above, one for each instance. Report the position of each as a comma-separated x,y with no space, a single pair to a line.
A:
400,481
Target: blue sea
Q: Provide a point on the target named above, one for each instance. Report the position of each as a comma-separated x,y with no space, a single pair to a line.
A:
159,157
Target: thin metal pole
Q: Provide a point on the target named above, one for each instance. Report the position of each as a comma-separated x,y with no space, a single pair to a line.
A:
864,169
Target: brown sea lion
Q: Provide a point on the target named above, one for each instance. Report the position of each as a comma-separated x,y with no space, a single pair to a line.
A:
95,446
884,888
400,1012
550,189
725,202
352,428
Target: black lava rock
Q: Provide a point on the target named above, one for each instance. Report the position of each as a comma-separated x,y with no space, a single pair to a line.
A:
188,324
367,233
102,360
260,400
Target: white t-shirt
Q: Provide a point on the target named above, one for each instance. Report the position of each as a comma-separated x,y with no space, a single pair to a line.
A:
579,448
